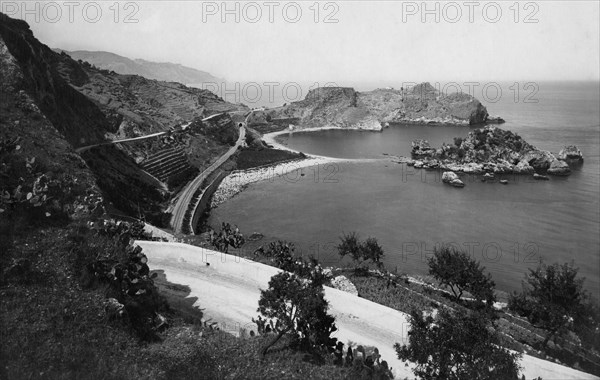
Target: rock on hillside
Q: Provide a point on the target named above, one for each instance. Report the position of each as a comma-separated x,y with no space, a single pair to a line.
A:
344,107
489,149
163,71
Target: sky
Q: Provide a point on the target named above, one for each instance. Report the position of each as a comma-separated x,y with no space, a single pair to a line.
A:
335,41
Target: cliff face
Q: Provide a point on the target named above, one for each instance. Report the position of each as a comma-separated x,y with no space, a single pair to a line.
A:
344,107
69,111
329,107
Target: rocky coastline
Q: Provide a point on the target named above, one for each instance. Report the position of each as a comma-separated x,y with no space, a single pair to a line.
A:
491,150
346,108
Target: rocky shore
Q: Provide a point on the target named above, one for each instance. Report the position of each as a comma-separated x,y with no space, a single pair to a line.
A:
345,108
237,181
493,150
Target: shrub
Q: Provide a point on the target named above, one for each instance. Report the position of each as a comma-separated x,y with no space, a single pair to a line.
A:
361,252
123,267
453,346
297,307
552,298
228,237
460,272
281,254
458,141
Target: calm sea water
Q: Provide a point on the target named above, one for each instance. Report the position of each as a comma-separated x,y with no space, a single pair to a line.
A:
508,228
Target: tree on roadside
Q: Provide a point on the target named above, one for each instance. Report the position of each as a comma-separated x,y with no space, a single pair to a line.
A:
456,270
552,298
457,346
361,252
296,307
281,254
228,237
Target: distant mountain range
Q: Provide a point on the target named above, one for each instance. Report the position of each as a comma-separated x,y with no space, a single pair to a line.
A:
163,71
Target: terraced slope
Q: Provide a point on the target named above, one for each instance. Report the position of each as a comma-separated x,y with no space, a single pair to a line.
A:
167,163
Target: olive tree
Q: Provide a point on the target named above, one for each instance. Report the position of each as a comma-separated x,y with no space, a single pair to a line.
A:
458,271
295,306
361,252
552,298
455,346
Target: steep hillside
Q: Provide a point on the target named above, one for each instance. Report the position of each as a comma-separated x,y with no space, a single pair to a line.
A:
42,180
71,113
137,106
89,105
163,71
344,107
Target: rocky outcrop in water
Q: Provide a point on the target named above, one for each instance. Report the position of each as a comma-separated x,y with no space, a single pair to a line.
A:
491,150
571,154
343,107
558,167
452,179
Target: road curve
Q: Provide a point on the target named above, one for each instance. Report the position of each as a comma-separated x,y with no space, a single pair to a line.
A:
228,290
186,195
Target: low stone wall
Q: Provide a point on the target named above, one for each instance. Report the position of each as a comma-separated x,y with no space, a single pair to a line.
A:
204,201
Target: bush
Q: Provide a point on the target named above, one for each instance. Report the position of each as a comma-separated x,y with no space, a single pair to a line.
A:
459,272
361,252
116,262
552,298
456,346
297,307
228,237
281,254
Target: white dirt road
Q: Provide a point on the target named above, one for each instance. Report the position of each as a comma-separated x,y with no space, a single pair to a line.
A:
228,291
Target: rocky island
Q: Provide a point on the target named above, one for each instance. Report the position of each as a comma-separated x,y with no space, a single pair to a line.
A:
493,150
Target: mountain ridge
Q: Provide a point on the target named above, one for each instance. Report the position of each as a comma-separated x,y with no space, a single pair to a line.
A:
163,71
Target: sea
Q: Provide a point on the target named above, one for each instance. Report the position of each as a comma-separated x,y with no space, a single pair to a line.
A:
507,228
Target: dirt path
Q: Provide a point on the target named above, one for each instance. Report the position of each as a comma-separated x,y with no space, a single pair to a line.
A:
228,291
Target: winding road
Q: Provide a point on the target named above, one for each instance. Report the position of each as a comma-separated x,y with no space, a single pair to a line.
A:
88,147
186,195
227,288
